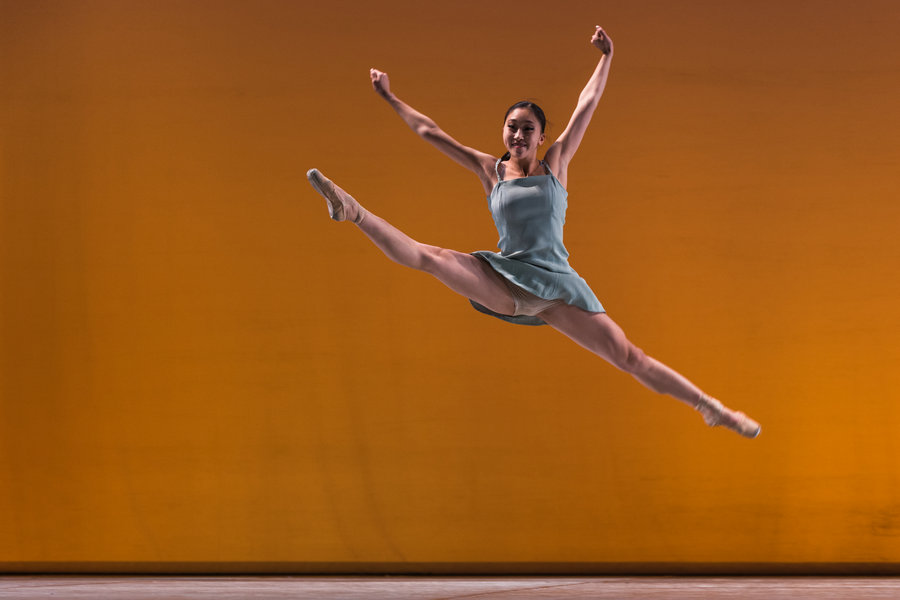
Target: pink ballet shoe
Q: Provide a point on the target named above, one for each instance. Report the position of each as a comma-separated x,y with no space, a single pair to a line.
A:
341,205
716,414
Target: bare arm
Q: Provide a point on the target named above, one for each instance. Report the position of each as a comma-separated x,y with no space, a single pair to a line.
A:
480,163
561,152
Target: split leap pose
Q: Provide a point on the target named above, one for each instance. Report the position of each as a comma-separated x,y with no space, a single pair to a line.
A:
529,281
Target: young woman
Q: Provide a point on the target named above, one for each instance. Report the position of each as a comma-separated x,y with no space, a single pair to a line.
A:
529,281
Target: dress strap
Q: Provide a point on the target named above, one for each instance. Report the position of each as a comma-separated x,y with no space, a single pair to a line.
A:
547,168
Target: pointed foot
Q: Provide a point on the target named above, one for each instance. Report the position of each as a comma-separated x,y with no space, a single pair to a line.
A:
341,205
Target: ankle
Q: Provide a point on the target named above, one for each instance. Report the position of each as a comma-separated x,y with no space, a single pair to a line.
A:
710,409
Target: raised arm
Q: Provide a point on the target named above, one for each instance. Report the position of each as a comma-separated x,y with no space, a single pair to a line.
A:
563,149
478,162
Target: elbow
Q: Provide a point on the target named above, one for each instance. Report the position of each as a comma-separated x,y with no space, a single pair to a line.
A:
588,102
592,98
426,130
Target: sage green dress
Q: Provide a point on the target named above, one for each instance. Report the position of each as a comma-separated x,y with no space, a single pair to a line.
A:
529,214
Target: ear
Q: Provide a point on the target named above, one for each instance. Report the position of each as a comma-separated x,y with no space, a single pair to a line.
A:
541,141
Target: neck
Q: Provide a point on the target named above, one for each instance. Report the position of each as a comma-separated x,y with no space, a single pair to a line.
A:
525,165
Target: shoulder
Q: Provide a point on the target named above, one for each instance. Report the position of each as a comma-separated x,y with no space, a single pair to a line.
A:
487,173
557,163
553,157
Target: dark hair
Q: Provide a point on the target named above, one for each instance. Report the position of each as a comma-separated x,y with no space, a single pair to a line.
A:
538,112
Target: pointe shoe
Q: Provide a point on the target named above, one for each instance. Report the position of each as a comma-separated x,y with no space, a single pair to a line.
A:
716,414
341,205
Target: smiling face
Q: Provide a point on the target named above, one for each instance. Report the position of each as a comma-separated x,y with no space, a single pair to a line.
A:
522,132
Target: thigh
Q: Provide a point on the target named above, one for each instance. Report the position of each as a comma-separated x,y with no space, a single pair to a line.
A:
471,277
596,332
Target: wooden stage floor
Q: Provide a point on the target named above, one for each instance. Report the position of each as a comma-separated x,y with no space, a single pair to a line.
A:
444,588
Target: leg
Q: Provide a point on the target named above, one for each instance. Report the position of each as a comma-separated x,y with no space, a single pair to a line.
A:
602,336
462,273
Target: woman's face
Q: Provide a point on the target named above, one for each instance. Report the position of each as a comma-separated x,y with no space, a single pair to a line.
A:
522,133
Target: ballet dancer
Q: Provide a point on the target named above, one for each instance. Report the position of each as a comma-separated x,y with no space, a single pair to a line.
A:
529,281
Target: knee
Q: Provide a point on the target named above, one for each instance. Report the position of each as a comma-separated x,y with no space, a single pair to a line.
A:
631,359
429,258
416,256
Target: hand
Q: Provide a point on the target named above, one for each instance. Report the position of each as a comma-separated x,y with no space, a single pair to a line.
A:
602,42
380,83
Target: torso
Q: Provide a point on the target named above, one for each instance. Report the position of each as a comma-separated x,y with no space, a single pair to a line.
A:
529,213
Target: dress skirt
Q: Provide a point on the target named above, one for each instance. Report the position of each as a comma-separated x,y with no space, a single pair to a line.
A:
569,287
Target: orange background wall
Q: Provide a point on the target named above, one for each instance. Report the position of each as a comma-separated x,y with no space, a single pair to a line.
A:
196,365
